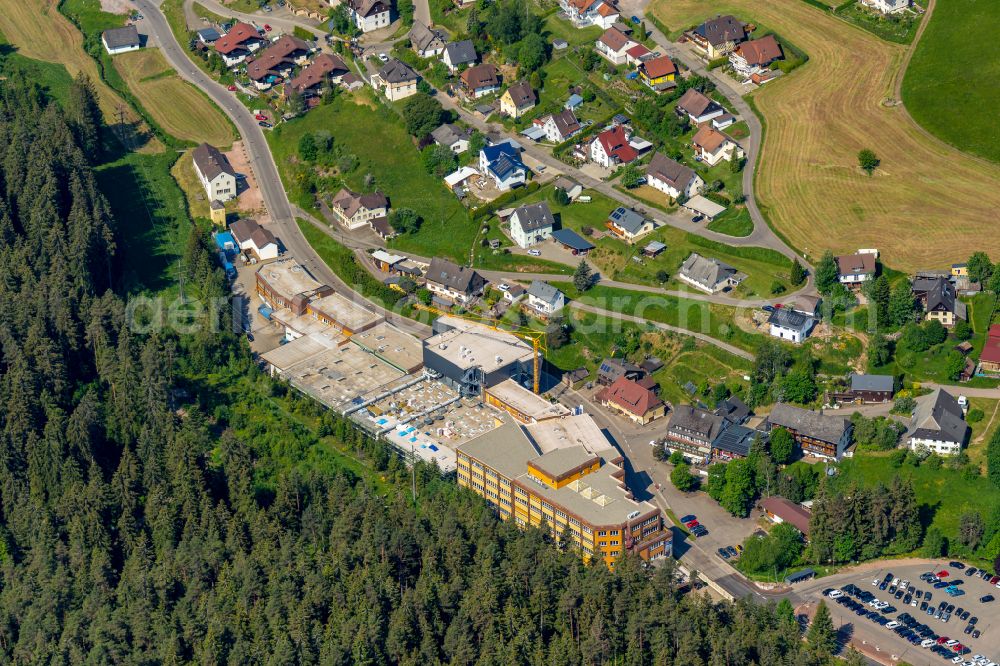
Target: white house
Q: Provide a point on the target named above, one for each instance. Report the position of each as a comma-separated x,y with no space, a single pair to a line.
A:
120,40
755,56
938,425
790,325
460,53
255,238
712,146
452,137
611,148
355,210
886,6
241,41
503,164
672,178
628,224
544,298
614,45
426,42
590,12
855,269
708,275
531,224
560,126
397,80
369,15
698,107
214,172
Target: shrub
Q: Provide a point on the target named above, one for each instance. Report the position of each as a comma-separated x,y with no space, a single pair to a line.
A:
974,416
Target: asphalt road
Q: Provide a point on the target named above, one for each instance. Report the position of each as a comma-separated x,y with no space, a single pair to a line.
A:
282,221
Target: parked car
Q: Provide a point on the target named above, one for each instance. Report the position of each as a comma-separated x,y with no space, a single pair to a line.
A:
267,28
684,519
264,124
732,551
956,565
635,19
535,253
260,116
231,88
987,598
724,554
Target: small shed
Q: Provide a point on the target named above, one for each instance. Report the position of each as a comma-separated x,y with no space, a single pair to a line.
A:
573,102
699,205
799,576
653,248
560,44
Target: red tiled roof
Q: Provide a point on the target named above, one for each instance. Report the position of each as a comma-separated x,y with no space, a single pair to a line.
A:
991,350
794,514
637,51
616,145
994,331
630,396
276,54
761,51
709,139
606,10
657,67
614,39
317,71
237,36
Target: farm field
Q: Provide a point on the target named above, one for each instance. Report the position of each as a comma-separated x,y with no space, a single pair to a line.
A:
943,87
177,106
818,119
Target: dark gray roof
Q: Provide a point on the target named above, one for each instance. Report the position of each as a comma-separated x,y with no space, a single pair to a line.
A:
819,426
939,418
872,383
453,276
736,439
461,53
613,368
534,216
208,35
670,171
733,409
448,134
627,219
211,162
522,94
572,240
396,71
566,122
119,37
544,291
700,422
722,29
939,294
425,39
787,318
705,270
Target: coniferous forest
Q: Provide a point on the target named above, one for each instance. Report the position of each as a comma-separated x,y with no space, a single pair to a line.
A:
163,502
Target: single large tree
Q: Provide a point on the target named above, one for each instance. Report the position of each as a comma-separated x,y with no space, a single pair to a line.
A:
826,273
422,114
868,161
782,446
822,636
583,277
980,267
682,478
878,293
797,275
84,116
902,305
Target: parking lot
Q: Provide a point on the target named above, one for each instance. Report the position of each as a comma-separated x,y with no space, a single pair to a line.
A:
920,614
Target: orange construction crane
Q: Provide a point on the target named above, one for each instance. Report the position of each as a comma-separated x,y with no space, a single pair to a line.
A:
527,334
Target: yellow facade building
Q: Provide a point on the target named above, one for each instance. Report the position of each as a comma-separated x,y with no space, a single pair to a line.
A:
563,473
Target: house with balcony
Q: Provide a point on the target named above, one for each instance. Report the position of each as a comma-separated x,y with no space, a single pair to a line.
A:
276,62
242,40
545,299
755,56
396,80
480,80
613,46
611,148
712,146
718,36
531,224
628,225
583,13
369,15
672,178
818,434
503,164
698,107
658,74
517,100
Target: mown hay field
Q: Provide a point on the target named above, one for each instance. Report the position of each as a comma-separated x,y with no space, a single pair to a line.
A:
927,205
177,106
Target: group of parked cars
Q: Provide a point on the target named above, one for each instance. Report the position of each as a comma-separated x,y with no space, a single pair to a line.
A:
730,552
696,528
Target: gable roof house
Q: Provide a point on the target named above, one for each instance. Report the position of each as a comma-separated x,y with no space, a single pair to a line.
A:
718,36
312,79
633,401
369,15
249,235
819,434
459,284
938,298
709,275
989,359
241,40
545,298
873,388
613,368
503,164
215,173
396,80
756,55
517,100
787,324
613,46
611,148
120,40
938,425
480,80
658,73
672,178
426,42
853,269
560,126
781,510
694,430
712,146
355,210
582,13
277,61
452,137
698,107
531,224
460,53
628,224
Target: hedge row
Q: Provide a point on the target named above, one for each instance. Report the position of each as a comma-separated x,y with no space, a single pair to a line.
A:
503,200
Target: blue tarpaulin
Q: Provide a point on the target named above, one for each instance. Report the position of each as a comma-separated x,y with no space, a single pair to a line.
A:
265,312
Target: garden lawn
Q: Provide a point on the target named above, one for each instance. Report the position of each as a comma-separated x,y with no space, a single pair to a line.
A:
983,431
384,149
560,75
734,222
557,28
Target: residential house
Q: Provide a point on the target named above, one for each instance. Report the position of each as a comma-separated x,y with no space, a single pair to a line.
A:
503,164
818,434
215,173
672,178
781,510
453,137
355,210
633,401
531,224
458,54
611,148
121,40
698,107
938,425
459,284
960,270
560,126
637,54
787,324
872,388
544,298
611,369
517,100
694,430
277,61
614,45
886,6
252,237
709,275
369,15
426,42
208,36
628,224
718,36
989,359
807,305
590,12
756,55
712,146
514,293
733,409
396,80
480,80
855,269
241,40
734,442
325,68
939,301
658,73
